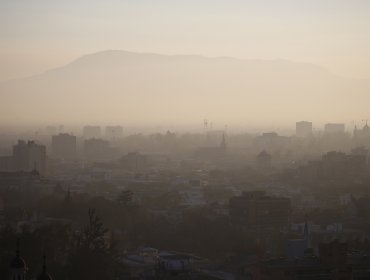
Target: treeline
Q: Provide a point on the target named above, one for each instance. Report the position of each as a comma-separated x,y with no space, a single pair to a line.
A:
85,237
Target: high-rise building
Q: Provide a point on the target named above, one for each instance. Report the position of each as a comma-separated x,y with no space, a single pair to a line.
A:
64,145
361,137
91,131
113,132
303,129
334,128
28,156
263,160
99,149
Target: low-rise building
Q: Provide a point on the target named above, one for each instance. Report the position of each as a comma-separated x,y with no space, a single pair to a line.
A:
256,209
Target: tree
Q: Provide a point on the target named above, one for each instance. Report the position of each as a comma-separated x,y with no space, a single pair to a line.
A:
91,257
93,233
125,197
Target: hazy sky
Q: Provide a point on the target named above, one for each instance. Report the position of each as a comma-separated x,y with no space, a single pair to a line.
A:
39,34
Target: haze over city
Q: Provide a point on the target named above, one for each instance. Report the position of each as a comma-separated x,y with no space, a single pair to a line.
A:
291,57
185,140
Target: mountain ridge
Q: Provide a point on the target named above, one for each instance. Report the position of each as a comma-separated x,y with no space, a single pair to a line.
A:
121,85
183,56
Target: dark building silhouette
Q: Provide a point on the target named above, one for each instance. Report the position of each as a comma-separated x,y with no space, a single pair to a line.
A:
64,145
99,149
212,152
28,156
332,264
337,164
361,137
114,132
333,254
299,247
91,131
271,141
6,163
303,129
334,128
134,161
18,266
263,160
256,209
19,180
44,275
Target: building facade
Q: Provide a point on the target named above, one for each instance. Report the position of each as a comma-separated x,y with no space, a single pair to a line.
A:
303,129
256,209
28,156
64,145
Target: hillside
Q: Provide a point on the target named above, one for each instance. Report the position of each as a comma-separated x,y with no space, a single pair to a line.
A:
122,86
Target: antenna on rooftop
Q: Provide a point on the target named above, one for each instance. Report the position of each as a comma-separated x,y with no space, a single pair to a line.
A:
205,125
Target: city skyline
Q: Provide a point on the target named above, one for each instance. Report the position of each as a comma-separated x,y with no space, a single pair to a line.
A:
188,139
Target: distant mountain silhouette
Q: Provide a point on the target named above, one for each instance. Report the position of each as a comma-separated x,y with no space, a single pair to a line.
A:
124,86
